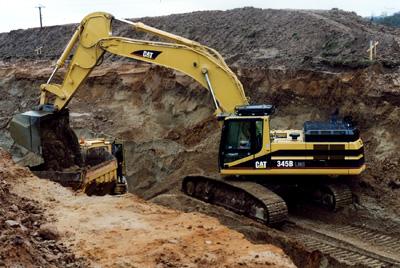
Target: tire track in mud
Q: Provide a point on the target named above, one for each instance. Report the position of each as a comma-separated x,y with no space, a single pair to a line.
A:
348,244
308,242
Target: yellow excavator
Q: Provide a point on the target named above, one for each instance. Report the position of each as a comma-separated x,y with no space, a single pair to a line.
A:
254,160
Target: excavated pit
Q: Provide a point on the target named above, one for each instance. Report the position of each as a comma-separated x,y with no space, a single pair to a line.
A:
167,122
167,119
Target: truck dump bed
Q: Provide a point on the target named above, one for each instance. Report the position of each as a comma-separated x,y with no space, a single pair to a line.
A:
98,176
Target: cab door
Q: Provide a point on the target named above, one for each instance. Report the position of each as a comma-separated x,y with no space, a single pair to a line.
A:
240,138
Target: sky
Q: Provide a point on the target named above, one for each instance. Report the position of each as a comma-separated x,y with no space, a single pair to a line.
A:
22,14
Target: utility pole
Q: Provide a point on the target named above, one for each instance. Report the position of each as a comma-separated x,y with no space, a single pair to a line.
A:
40,15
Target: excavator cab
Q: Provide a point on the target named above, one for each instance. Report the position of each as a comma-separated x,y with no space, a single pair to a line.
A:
242,134
241,137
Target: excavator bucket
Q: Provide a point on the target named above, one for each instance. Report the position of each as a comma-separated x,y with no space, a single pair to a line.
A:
48,134
25,129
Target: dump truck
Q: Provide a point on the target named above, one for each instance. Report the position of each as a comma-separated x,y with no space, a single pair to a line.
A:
99,166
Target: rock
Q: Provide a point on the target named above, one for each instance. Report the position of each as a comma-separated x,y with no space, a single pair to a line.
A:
35,217
14,208
12,223
394,184
50,257
3,238
17,240
24,229
48,232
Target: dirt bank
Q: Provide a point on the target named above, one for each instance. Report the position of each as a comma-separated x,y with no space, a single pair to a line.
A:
26,238
112,231
245,37
167,118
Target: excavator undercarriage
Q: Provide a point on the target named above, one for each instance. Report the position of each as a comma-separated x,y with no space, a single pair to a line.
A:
265,202
240,196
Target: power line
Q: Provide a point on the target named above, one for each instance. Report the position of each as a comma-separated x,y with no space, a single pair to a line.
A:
40,14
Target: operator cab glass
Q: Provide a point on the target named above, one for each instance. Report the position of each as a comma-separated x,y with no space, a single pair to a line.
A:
240,138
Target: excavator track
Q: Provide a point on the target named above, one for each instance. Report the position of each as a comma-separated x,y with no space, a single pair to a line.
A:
334,196
242,197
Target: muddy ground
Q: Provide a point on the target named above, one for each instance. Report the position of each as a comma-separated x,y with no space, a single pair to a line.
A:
306,63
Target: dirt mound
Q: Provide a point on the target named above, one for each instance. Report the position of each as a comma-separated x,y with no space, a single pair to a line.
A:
25,237
60,146
245,36
111,231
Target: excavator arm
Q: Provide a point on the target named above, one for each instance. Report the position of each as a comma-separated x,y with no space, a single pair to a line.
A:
47,128
93,38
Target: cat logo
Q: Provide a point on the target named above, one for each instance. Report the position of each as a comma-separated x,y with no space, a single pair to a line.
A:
148,54
261,164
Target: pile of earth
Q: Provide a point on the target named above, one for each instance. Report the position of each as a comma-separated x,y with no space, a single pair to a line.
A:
39,219
27,240
246,37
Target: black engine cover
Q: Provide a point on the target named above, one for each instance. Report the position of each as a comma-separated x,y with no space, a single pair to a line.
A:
333,131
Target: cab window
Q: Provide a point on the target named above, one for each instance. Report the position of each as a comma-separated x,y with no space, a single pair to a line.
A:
238,135
240,138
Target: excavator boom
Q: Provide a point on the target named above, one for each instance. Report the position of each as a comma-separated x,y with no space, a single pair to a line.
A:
93,38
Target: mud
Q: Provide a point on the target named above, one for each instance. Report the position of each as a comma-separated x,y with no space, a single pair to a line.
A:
176,135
